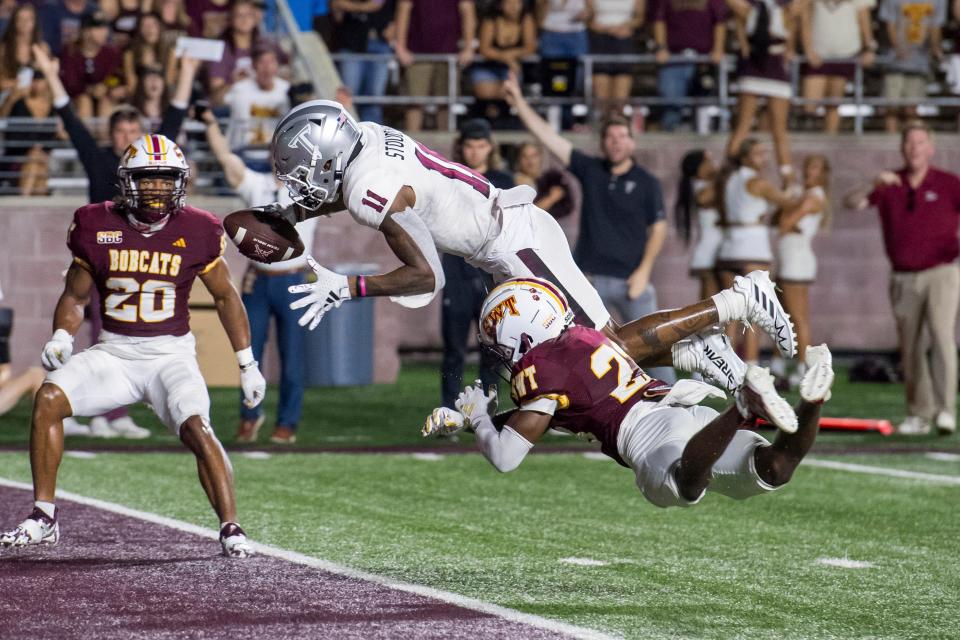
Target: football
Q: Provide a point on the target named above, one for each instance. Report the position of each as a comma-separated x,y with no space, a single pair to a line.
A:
262,237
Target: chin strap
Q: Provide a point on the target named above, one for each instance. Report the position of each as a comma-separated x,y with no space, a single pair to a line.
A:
143,227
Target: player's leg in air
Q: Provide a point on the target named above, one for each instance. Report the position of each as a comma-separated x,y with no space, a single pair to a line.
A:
653,339
728,459
776,463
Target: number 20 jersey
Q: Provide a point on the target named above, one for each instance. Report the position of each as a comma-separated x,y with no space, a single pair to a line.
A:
454,202
144,281
593,382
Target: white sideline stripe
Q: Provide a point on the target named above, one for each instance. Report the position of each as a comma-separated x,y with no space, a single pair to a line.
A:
882,471
428,457
330,567
845,563
942,456
584,562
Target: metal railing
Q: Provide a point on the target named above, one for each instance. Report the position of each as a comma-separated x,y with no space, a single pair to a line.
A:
721,99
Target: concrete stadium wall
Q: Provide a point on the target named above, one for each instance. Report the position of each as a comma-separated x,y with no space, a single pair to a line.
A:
849,301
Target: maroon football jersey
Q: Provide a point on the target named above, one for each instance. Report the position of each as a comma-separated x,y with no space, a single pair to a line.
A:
594,383
144,281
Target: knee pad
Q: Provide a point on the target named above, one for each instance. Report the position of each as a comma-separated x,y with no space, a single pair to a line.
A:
6,328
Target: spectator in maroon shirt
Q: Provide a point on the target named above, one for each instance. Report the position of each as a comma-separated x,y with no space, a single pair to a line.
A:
432,26
208,18
684,28
90,69
919,207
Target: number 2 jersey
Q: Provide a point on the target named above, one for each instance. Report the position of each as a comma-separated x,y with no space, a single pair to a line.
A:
454,202
144,280
586,381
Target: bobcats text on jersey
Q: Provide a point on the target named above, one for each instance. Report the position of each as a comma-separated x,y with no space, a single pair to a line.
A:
144,286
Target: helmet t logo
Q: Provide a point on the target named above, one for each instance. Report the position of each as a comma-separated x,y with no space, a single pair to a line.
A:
302,139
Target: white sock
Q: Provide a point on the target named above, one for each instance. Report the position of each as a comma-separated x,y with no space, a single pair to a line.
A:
682,357
47,507
729,304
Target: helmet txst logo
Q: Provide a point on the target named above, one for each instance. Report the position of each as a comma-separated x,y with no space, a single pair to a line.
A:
302,140
721,364
509,305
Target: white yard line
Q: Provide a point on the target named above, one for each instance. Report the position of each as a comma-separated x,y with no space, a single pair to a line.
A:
845,563
330,567
881,471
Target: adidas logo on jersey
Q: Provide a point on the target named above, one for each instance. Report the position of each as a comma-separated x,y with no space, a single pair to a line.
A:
181,243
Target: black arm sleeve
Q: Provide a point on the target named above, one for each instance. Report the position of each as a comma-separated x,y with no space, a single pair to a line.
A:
501,418
172,122
87,148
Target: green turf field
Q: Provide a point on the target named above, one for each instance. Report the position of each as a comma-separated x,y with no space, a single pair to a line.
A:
391,415
725,569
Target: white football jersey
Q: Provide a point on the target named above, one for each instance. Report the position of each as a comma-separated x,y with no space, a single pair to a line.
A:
454,202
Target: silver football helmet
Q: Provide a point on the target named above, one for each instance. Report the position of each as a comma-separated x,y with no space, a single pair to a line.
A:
311,147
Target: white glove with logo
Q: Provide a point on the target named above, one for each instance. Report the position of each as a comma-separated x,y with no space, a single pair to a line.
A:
329,291
443,422
253,384
474,404
57,351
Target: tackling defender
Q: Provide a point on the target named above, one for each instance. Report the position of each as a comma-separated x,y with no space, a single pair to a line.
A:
422,202
142,253
575,378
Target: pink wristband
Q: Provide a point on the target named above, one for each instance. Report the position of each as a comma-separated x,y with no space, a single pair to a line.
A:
361,287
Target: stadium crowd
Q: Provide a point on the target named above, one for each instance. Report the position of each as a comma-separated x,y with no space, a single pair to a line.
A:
113,61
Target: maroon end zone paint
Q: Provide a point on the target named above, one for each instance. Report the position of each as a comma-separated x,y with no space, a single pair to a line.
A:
113,576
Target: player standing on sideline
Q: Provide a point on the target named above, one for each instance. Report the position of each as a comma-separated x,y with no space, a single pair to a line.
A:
422,202
100,164
574,378
142,253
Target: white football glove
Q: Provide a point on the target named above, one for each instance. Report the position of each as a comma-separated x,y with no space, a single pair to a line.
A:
57,351
443,422
473,403
253,384
329,291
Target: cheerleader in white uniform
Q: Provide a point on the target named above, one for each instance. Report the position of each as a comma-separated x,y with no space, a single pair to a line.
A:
747,205
797,265
696,199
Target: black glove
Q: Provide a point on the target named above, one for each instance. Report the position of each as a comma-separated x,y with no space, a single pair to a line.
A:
288,214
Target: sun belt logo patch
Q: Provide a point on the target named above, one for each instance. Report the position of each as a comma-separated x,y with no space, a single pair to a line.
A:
109,237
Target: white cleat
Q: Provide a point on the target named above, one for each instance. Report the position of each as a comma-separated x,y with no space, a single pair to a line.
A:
38,529
123,427
234,542
758,398
100,428
816,382
914,426
72,427
764,309
946,423
710,354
